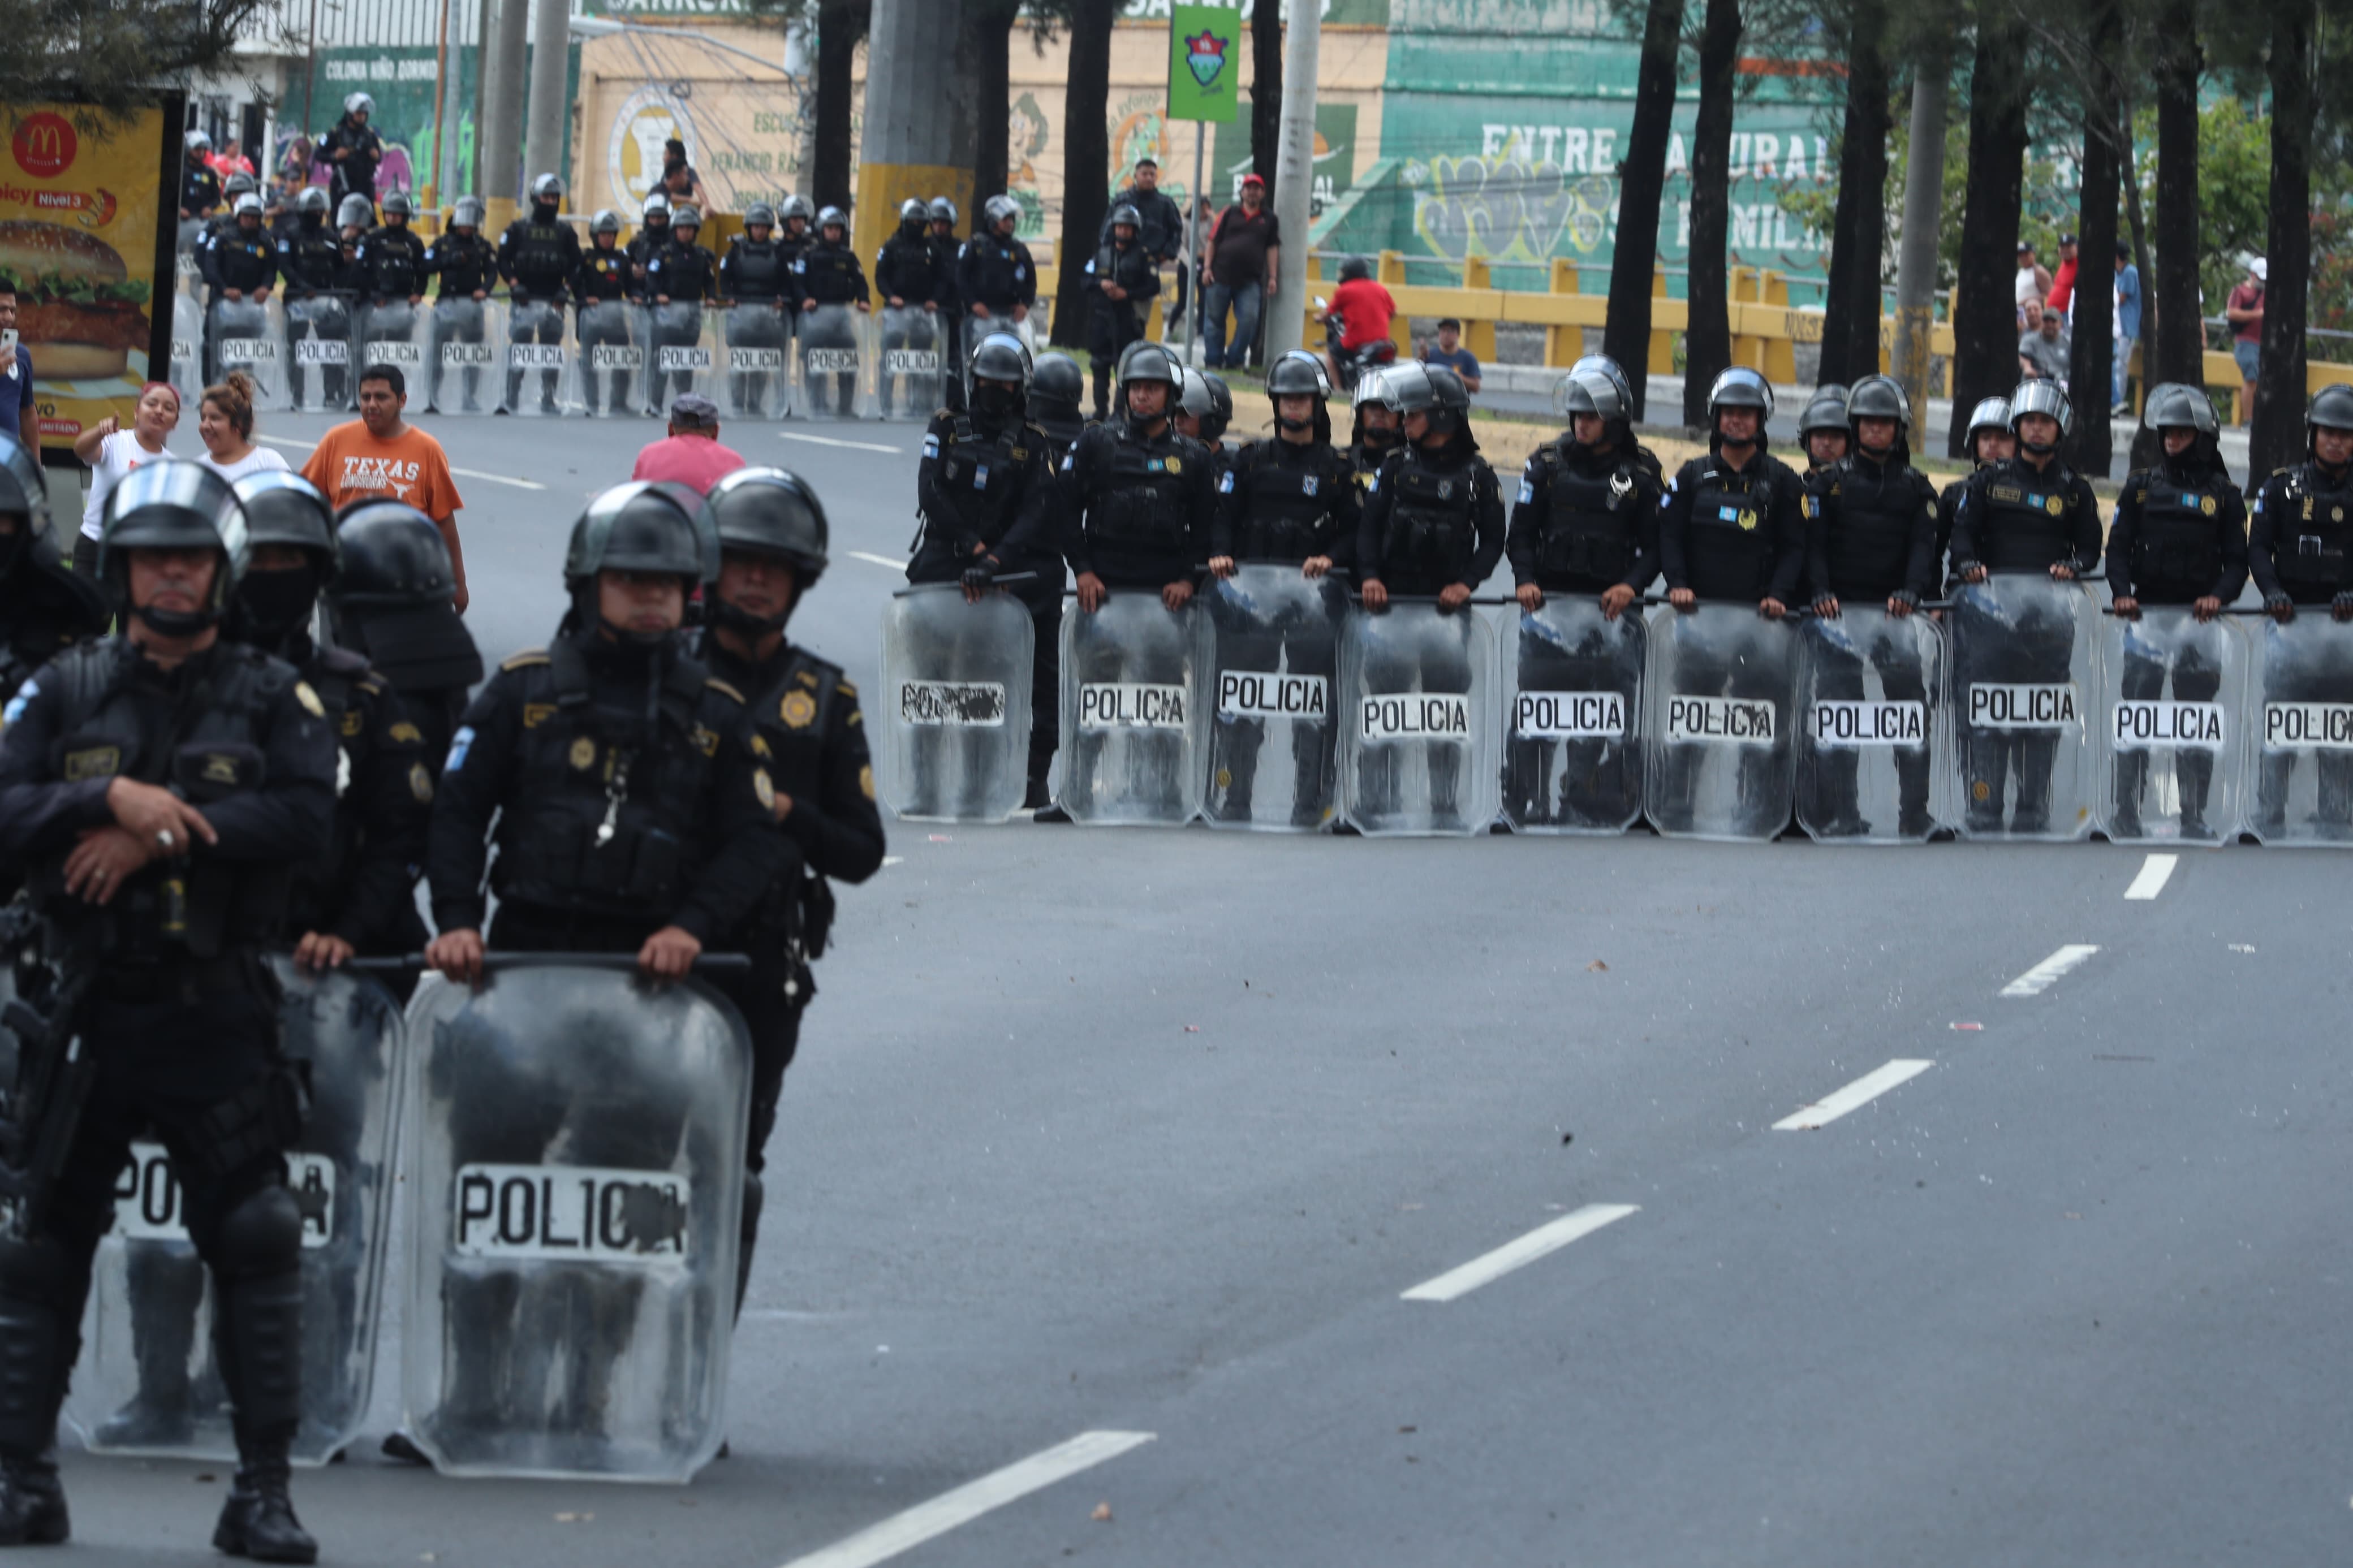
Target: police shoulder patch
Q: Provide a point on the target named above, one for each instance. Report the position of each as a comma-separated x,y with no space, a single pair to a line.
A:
798,710
405,733
760,747
353,719
535,714
525,659
764,787
309,699
420,784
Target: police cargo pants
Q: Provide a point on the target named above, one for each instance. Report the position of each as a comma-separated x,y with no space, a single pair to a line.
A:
757,324
455,320
1592,780
2304,670
2142,679
534,322
1838,770
2035,652
1235,744
1380,771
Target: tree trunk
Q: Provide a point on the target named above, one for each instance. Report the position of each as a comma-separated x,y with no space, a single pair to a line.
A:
2092,362
1626,336
2277,438
1985,320
992,47
841,26
2178,340
1086,161
1708,342
1858,231
1266,100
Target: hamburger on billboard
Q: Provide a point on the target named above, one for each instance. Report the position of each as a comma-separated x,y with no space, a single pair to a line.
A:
87,228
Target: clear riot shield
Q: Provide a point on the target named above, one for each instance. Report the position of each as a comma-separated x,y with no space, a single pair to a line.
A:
462,352
576,1183
2022,683
319,353
1573,702
1418,720
538,359
757,382
187,333
393,333
149,1382
1131,727
1719,727
249,335
1270,659
682,352
608,359
2172,703
832,366
912,363
956,705
2299,731
1871,726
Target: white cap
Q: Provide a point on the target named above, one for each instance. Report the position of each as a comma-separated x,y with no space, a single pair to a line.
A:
2260,268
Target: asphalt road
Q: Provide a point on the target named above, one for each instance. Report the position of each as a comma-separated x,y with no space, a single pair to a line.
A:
1153,1134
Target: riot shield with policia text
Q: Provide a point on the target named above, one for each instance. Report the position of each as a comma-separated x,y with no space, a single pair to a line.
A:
1872,729
1418,742
1721,746
1573,703
1131,726
2172,701
1271,658
2021,682
954,714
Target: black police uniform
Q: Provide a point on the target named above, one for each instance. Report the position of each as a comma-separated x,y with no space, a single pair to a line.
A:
641,248
1583,522
45,608
312,260
985,493
602,286
1113,325
465,264
807,716
182,1020
392,268
244,261
905,268
1162,232
1432,517
1738,534
684,275
538,256
756,274
830,275
354,175
392,604
1284,503
948,323
998,274
1870,537
2016,518
200,187
2300,539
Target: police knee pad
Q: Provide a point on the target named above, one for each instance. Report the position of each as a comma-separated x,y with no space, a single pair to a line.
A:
262,1233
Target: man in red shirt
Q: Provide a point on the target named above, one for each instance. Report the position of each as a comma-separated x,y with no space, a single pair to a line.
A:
1363,306
2063,282
690,454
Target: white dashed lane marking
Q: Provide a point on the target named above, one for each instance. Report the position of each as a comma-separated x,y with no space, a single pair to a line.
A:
2039,978
1538,1243
1853,1097
2154,873
836,441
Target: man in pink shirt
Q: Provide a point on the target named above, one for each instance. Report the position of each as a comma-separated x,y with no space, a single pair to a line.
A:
690,454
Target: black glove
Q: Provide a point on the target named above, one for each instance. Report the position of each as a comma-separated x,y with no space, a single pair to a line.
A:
1906,598
2274,603
2341,607
1964,570
980,574
1823,602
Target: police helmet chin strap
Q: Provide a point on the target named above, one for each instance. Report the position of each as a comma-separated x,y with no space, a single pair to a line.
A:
734,617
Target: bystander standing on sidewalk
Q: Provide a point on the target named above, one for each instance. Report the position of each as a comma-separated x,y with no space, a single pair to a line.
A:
2126,325
1244,250
1448,352
2063,282
2245,311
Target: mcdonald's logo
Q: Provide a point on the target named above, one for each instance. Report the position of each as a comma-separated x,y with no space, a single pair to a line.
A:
45,145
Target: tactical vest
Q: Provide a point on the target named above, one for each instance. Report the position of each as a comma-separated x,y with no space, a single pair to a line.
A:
905,267
604,818
980,471
759,270
1587,539
1140,489
2022,527
208,749
2312,534
316,887
606,275
2178,548
686,272
242,260
1871,516
1728,552
540,260
1001,275
794,714
1432,529
395,263
1287,505
312,257
829,274
464,263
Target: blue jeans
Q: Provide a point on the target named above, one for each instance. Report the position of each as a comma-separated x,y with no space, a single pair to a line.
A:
1245,302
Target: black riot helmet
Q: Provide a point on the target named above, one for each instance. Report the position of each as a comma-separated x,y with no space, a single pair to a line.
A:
1880,397
1298,374
1991,414
1826,410
1739,387
944,211
1611,371
2332,407
633,527
1147,361
1000,376
1431,390
2040,398
24,495
607,221
1221,406
759,214
396,204
173,506
238,184
546,195
394,598
2170,404
311,205
286,508
1126,213
915,218
1056,387
1594,393
771,512
1372,392
468,212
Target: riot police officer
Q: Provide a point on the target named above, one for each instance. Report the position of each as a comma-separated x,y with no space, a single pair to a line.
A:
985,490
2179,538
679,278
157,789
354,218
1290,500
1372,431
240,263
392,269
652,236
1205,406
2030,513
45,607
772,548
1055,388
1732,527
1990,442
354,148
2300,539
940,237
538,257
225,217
467,266
392,601
830,280
756,275
995,277
906,278
1871,539
1123,280
200,186
602,287
1822,428
312,260
1586,522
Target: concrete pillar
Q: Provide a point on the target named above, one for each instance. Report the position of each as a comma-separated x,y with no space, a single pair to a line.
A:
1295,178
920,120
503,95
551,106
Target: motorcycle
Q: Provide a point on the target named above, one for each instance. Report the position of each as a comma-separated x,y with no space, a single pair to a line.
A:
1350,365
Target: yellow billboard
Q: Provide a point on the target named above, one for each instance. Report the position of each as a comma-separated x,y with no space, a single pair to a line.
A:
86,238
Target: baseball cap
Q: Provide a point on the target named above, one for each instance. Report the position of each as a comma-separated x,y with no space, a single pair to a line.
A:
1252,179
2260,268
694,412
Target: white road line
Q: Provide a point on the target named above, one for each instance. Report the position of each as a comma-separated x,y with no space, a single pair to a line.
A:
2039,979
896,564
927,1521
2152,879
293,445
1538,1243
836,441
1853,1097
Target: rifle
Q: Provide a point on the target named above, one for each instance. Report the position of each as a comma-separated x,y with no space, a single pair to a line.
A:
42,1111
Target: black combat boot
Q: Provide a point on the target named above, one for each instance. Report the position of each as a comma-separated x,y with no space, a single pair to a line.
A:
258,1520
32,1503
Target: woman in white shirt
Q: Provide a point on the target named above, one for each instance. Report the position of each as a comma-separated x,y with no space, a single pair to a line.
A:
112,452
225,423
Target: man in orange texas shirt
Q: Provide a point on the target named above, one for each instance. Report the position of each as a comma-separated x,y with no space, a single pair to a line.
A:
382,457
